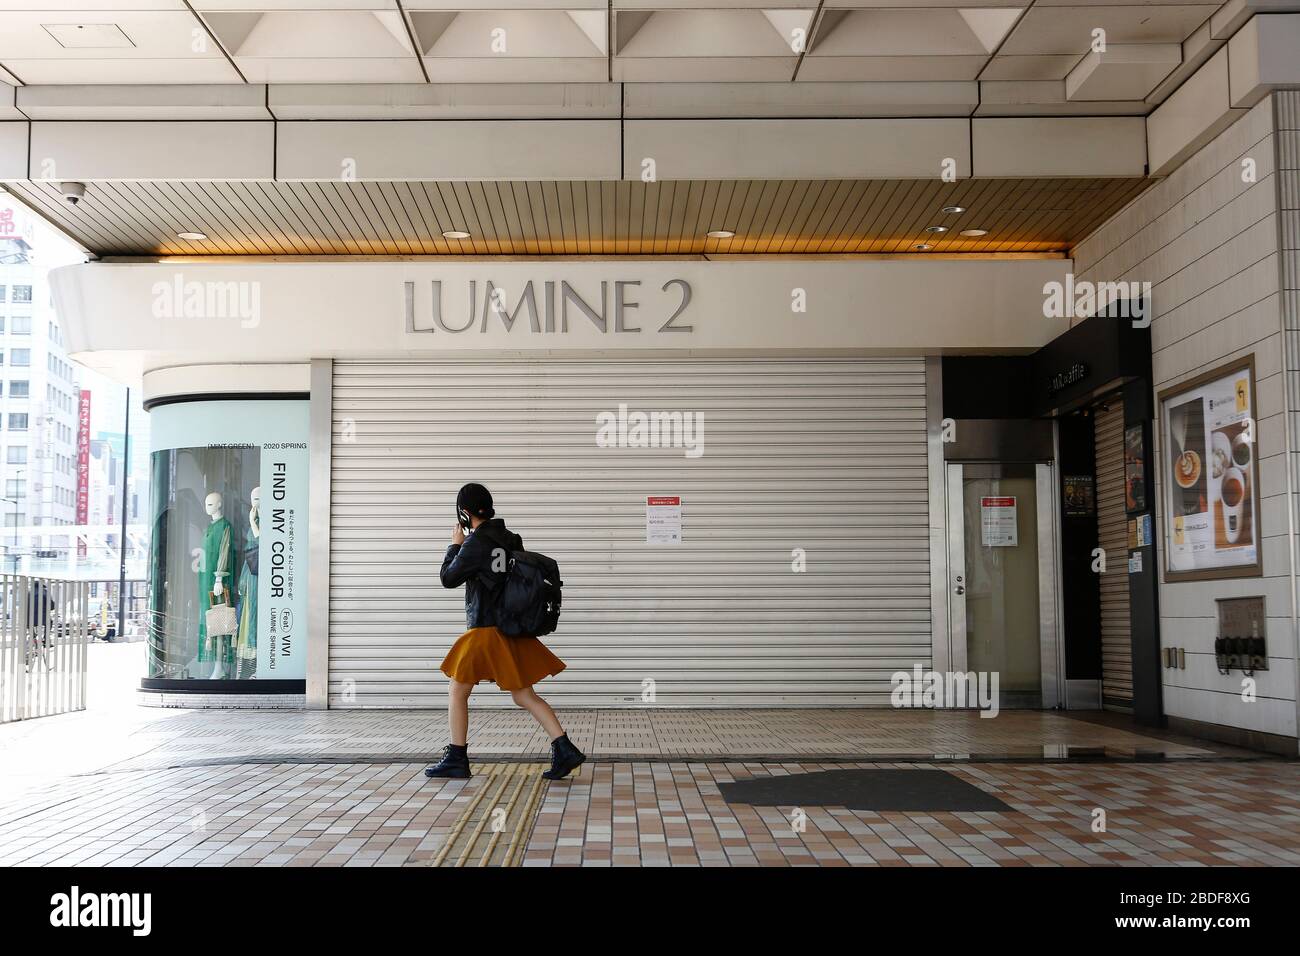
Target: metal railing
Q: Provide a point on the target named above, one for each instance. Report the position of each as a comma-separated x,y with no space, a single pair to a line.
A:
44,635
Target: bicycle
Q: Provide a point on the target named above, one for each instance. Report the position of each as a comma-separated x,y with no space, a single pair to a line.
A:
37,647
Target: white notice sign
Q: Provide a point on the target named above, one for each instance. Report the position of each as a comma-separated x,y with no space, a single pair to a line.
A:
998,522
663,519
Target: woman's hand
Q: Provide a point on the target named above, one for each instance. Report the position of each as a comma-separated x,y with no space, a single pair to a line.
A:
458,535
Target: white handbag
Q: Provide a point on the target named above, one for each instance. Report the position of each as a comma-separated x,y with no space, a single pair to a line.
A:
220,619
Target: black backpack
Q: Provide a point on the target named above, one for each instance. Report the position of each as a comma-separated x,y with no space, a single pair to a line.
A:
528,598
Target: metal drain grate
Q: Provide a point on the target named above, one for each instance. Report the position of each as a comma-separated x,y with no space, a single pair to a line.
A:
493,829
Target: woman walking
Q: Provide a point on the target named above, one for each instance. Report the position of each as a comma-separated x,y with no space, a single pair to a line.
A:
483,653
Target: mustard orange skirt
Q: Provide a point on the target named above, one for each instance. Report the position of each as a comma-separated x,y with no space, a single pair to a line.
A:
512,663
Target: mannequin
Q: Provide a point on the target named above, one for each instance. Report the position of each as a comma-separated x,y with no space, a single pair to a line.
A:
246,640
210,582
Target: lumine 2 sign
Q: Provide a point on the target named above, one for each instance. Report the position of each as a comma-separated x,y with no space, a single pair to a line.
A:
550,306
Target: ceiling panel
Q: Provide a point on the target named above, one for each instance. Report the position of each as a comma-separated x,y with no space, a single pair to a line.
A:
344,46
118,46
919,32
282,6
814,217
450,43
52,72
91,5
914,4
1123,72
905,69
1070,29
1030,69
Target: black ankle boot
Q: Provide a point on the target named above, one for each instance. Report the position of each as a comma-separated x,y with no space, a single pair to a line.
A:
454,763
564,757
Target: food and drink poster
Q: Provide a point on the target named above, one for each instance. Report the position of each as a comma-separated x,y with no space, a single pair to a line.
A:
1135,493
1212,506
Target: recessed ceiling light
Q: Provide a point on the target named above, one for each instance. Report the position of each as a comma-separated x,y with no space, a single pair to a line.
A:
192,236
953,210
974,233
720,234
921,246
936,228
455,234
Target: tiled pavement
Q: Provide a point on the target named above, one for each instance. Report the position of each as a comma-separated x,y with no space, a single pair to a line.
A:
220,736
658,814
647,814
346,789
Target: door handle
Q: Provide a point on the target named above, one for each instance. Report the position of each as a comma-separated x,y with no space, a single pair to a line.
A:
959,589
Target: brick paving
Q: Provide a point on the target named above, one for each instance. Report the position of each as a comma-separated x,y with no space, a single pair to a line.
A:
642,813
346,788
1156,814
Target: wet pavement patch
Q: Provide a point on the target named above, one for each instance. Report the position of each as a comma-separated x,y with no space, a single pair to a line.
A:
900,790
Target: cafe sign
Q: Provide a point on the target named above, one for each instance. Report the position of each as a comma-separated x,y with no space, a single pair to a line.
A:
1064,379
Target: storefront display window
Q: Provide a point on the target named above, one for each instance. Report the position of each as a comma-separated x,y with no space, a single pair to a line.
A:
228,559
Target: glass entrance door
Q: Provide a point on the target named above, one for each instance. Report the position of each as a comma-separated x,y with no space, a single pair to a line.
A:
1002,561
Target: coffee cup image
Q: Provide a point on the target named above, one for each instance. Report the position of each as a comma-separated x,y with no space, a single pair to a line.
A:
1242,451
1187,472
1232,494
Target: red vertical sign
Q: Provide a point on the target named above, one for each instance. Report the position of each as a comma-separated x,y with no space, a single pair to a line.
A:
83,469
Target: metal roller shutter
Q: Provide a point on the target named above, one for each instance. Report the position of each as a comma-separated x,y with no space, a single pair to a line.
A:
826,455
1112,533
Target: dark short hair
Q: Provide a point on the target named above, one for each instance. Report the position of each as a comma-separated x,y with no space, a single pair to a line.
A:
476,500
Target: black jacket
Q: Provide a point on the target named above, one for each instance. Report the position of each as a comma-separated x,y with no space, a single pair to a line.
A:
470,564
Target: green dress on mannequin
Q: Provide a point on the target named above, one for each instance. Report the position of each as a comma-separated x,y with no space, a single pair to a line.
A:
218,531
246,642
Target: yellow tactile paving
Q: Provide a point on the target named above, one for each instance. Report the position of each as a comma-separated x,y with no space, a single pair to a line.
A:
505,801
